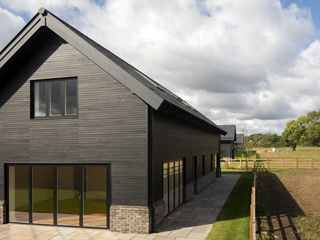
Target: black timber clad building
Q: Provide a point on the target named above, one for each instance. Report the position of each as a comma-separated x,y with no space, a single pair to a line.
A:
87,140
227,141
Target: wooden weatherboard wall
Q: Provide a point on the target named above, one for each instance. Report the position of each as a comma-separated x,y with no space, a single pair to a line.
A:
111,126
175,139
227,146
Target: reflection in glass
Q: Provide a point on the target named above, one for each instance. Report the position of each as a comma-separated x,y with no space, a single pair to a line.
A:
181,182
171,186
71,97
176,184
19,194
68,196
95,197
55,98
40,96
42,194
165,186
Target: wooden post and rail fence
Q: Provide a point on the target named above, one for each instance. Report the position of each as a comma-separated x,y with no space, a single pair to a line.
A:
272,163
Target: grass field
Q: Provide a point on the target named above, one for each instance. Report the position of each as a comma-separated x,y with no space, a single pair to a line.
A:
233,221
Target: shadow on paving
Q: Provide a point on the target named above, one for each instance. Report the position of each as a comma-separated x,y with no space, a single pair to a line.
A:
276,208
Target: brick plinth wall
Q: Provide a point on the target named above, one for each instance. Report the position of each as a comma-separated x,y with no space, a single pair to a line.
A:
205,181
188,192
130,219
160,212
2,212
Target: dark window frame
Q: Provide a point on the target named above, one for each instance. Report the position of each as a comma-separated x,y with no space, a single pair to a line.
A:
203,165
48,94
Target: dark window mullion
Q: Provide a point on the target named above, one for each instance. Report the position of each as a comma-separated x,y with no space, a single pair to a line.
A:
81,196
48,103
30,195
108,191
63,97
55,196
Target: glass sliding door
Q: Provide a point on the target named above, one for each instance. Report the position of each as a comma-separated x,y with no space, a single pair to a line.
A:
176,184
165,186
68,195
65,195
181,182
95,196
19,194
172,185
42,195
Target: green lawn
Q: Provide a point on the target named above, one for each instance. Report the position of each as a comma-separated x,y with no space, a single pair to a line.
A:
234,219
68,201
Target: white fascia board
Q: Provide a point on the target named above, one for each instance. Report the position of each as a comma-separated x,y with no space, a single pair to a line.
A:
21,40
136,87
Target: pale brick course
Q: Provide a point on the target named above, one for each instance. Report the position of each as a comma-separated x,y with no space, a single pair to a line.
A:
130,219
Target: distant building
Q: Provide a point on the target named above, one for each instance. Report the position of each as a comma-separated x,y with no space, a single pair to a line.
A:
227,141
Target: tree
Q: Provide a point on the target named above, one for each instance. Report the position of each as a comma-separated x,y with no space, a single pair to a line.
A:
313,128
295,132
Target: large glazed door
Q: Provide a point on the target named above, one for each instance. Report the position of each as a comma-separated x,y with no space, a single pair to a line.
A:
95,196
19,194
68,196
42,195
65,195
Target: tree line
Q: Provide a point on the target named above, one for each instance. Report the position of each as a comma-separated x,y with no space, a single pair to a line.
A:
303,131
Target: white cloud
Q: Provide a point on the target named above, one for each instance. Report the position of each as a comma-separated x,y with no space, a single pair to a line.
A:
9,27
241,61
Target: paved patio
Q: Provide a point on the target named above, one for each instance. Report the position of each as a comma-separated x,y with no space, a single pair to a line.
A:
192,220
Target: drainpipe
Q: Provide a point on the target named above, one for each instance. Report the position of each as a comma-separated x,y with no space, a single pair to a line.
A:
151,168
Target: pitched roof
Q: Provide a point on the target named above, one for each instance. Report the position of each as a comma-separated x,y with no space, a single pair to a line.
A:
231,132
240,136
151,92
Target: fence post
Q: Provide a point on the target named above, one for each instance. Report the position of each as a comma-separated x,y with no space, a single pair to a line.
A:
268,163
254,165
227,163
311,155
297,164
282,163
311,163
240,163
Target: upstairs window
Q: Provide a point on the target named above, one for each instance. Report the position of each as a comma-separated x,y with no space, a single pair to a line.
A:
54,98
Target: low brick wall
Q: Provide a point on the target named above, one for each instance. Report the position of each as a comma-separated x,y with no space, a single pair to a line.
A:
188,192
130,219
160,212
205,181
2,212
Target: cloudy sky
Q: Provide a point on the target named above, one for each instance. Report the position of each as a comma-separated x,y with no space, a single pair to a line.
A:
252,63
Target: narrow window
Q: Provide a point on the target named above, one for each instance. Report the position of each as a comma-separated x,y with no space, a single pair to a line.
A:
203,165
54,98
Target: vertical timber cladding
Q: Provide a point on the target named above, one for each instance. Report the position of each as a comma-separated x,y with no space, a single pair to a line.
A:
175,139
111,126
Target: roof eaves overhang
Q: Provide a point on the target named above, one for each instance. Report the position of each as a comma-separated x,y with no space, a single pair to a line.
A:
176,112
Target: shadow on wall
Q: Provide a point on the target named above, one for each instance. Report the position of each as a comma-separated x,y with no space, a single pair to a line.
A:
24,64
